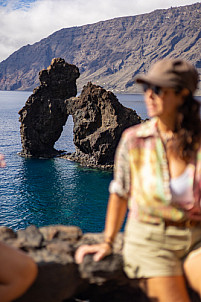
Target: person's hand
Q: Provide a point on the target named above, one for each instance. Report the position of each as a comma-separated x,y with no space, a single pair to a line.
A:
194,213
2,161
99,250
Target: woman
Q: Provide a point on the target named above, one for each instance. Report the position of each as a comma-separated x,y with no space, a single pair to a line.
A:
158,176
17,270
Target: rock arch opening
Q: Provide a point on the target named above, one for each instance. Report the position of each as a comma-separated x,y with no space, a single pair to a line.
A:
45,113
65,142
88,126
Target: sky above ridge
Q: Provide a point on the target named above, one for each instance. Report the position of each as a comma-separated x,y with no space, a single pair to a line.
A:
25,22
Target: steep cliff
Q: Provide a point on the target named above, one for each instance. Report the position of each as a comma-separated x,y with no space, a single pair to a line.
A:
110,53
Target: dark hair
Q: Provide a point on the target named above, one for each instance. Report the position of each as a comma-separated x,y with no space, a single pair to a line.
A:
188,129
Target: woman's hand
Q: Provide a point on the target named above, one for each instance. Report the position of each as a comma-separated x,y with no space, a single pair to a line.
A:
194,213
116,211
99,250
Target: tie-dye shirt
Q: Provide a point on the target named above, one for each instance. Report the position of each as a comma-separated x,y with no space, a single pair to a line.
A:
141,175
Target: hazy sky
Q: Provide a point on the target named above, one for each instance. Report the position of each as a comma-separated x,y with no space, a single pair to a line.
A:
28,21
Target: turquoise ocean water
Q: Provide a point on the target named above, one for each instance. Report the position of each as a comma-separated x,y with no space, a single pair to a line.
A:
50,191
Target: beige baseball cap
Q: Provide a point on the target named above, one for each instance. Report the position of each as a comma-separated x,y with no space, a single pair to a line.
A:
171,73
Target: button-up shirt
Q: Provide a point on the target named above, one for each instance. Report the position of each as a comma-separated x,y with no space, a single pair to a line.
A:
141,175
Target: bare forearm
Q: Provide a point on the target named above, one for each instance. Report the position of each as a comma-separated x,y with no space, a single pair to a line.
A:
116,211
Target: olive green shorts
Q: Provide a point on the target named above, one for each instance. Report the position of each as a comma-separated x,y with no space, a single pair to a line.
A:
155,250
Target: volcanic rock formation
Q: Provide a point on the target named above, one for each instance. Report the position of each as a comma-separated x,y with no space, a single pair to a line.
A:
99,120
44,114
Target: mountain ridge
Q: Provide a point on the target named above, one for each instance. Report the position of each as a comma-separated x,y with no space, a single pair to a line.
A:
110,53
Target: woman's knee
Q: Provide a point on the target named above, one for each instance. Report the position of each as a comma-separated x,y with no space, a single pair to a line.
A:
167,289
17,274
192,270
15,264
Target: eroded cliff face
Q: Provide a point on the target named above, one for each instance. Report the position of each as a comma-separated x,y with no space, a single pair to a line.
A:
111,53
99,118
44,114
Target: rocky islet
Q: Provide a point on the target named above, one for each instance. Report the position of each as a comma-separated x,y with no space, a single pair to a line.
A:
44,114
99,118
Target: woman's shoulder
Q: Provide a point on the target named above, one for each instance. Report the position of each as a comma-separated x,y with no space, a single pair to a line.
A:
145,129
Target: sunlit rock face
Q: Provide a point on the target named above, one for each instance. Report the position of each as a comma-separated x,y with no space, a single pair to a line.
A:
112,52
99,120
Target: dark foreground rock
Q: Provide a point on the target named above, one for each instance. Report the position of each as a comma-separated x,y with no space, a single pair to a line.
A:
99,120
44,114
61,280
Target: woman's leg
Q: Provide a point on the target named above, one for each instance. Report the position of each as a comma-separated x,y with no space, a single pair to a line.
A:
167,289
17,272
192,269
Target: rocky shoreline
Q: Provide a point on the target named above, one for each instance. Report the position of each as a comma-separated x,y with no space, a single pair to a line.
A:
60,279
85,161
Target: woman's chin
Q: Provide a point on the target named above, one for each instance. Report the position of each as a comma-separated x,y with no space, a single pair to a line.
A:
151,114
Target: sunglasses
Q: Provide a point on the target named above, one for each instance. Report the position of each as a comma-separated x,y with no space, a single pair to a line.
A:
156,89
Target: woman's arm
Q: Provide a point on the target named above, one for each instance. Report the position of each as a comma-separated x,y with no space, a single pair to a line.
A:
116,211
117,206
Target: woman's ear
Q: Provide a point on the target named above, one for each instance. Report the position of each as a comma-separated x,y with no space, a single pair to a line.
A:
182,95
185,92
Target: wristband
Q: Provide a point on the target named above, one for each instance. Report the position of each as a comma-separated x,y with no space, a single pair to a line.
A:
109,242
